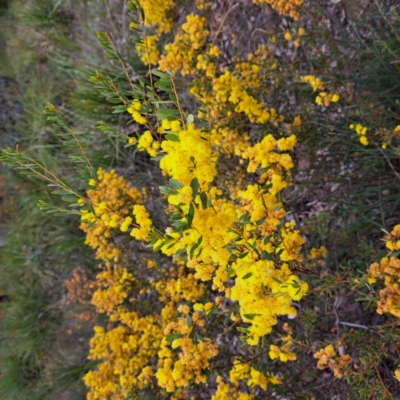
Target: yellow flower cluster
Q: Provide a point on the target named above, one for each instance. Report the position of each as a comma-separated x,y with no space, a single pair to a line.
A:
191,157
111,203
193,361
183,287
181,54
146,142
284,7
228,89
317,253
225,391
232,94
283,353
227,237
323,98
253,378
361,132
315,82
158,16
262,290
134,109
157,13
266,155
316,256
127,349
148,50
143,220
114,285
126,352
388,270
392,240
229,92
177,370
397,374
328,359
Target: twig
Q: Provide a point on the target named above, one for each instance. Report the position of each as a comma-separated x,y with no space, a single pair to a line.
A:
368,328
223,21
389,162
227,330
387,393
337,322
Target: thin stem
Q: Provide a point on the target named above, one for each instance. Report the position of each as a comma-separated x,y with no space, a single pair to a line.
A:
178,102
111,42
368,328
223,21
55,179
88,164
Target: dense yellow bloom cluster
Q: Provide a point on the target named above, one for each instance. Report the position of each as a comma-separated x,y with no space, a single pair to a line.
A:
126,351
157,13
232,94
388,270
183,287
114,285
284,7
242,371
225,391
183,51
361,132
229,89
143,220
254,377
328,359
148,50
230,239
223,92
264,155
159,17
190,157
146,142
193,359
177,370
264,292
111,203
